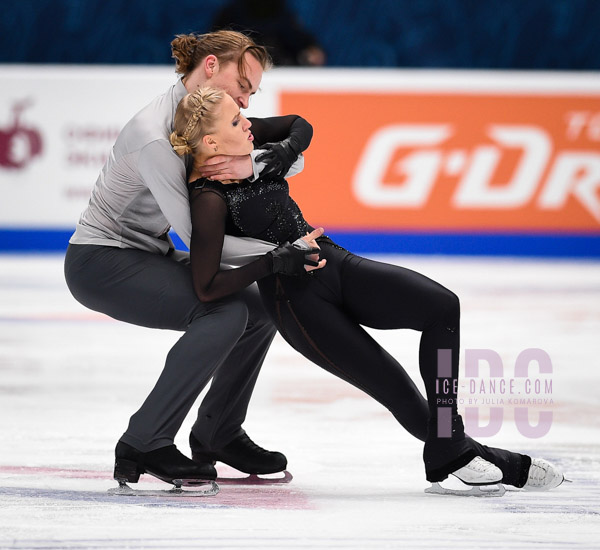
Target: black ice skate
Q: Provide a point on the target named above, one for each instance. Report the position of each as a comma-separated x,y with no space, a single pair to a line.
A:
247,457
166,464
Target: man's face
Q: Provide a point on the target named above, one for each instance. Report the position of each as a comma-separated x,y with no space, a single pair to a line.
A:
240,88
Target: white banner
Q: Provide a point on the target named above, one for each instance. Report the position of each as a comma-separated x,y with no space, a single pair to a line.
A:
57,125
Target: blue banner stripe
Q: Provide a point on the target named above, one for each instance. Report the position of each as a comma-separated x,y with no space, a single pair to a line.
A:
479,244
496,244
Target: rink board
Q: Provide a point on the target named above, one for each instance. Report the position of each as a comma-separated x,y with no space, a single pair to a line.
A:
452,162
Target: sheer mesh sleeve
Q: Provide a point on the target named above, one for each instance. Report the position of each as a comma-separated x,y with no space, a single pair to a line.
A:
209,212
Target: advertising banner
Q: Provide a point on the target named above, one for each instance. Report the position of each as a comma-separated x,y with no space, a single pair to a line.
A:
57,126
451,161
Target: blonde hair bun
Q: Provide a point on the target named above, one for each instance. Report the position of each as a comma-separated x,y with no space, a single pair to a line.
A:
180,144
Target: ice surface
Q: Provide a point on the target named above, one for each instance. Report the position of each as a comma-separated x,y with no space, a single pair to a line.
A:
70,379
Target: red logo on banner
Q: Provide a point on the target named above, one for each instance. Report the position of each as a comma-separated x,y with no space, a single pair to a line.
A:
19,144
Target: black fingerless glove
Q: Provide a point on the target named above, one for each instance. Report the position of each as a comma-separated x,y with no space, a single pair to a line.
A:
290,259
278,157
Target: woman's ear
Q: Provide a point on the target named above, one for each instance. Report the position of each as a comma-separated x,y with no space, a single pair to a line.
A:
211,66
209,141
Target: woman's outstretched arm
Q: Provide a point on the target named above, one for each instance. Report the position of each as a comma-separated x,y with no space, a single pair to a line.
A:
209,211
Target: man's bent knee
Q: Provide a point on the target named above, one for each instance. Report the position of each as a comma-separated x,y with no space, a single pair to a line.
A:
232,313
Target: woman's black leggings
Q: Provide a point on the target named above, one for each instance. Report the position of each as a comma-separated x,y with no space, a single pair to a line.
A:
321,314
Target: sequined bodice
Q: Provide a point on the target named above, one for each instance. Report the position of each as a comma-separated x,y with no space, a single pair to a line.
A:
262,209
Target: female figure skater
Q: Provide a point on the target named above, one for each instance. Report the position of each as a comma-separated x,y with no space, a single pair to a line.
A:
320,313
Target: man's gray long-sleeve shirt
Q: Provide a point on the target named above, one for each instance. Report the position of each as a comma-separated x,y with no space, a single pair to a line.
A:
141,191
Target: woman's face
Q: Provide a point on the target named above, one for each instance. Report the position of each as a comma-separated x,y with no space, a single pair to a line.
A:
232,134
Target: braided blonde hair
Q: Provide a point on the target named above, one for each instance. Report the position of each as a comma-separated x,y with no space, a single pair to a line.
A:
194,118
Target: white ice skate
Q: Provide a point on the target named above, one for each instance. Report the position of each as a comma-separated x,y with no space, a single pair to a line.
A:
479,478
543,476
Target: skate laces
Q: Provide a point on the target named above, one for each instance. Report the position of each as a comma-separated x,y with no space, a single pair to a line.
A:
538,472
478,464
479,472
247,442
543,475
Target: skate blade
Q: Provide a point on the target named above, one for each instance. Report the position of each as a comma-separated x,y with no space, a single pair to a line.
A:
257,479
469,490
208,490
545,489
